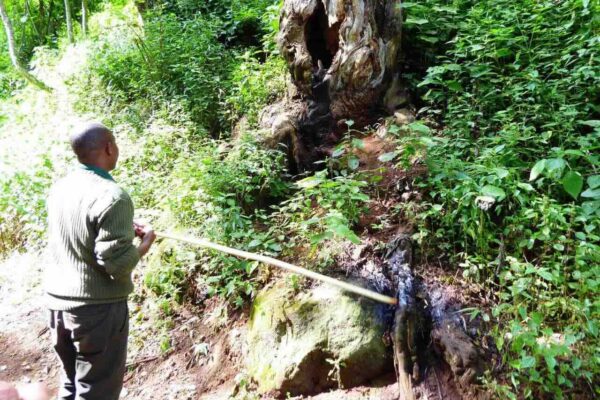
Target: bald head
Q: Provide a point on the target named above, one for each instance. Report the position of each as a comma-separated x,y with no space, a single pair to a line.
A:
95,144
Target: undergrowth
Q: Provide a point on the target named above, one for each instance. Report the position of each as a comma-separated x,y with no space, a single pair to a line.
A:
513,182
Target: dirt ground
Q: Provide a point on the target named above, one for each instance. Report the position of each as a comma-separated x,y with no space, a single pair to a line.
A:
26,353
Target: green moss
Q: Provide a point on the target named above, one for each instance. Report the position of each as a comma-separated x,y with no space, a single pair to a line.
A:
291,339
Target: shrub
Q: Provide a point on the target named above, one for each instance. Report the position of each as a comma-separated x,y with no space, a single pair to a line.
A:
23,207
255,85
513,178
172,59
242,178
323,208
222,193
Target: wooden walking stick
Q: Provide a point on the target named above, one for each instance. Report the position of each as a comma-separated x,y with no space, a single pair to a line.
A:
283,265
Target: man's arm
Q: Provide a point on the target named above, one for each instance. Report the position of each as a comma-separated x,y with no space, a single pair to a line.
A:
114,246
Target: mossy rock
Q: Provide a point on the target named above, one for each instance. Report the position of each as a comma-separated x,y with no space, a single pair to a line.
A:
315,340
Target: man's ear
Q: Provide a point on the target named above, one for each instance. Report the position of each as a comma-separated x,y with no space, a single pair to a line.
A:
109,148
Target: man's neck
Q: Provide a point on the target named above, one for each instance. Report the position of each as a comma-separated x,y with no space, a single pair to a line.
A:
98,164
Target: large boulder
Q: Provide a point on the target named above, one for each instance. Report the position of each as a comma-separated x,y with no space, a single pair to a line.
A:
305,343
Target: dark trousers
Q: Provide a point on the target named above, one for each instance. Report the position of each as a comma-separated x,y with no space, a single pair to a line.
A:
91,342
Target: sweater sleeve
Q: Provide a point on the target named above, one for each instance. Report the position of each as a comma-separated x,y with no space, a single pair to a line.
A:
114,247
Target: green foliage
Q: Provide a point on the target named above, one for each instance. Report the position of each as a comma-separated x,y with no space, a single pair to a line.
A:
324,208
9,80
221,193
255,85
257,82
172,60
23,207
170,272
243,177
231,278
513,176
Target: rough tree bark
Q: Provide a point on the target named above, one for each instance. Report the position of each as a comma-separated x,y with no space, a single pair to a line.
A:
350,46
69,21
12,52
342,56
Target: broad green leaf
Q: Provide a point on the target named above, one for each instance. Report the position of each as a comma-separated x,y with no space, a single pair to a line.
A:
501,172
590,207
406,5
525,186
594,123
358,144
572,152
387,156
550,361
545,274
353,163
310,182
275,247
455,86
419,127
342,230
593,181
254,243
452,67
527,361
573,183
591,193
338,152
537,169
555,166
416,21
493,191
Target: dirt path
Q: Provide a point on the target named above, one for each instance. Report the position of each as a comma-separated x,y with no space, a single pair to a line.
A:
26,354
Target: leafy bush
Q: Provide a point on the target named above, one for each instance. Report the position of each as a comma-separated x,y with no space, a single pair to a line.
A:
170,271
243,177
171,60
222,193
23,207
255,86
324,208
513,183
259,78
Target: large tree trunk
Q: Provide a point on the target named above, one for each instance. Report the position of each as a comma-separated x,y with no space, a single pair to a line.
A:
351,47
69,21
10,38
342,56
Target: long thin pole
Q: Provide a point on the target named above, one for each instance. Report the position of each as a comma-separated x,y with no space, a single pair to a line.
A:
283,265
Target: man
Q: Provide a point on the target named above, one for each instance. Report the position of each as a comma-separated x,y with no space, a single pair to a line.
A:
88,279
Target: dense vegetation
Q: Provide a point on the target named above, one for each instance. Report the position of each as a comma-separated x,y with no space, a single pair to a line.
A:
514,175
508,96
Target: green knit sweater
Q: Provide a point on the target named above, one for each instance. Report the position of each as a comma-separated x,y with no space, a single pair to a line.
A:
90,222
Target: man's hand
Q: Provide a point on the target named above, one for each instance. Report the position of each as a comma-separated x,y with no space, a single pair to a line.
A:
146,233
8,392
33,391
139,228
